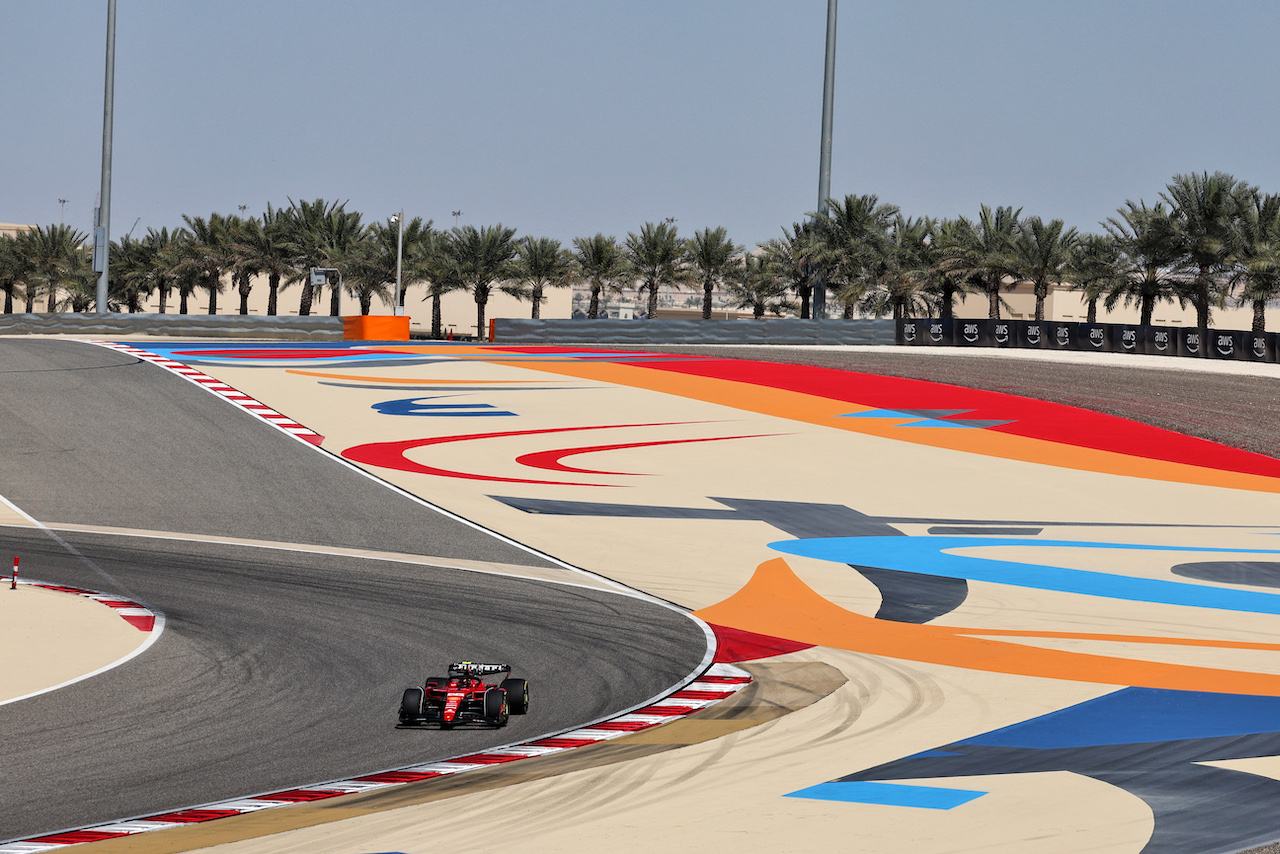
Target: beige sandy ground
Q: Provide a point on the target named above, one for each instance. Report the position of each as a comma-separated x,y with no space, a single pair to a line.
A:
49,638
729,790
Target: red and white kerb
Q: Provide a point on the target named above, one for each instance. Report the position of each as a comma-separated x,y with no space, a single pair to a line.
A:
719,682
218,387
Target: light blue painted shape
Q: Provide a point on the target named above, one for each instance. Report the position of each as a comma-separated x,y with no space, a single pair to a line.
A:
916,420
881,413
929,556
888,794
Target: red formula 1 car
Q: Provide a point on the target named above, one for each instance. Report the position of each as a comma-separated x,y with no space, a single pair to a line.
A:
464,697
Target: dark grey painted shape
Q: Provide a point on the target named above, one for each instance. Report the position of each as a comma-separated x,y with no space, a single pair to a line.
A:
966,530
907,597
1254,573
1196,808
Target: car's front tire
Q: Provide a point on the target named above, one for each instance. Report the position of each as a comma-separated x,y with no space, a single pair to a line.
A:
496,708
411,705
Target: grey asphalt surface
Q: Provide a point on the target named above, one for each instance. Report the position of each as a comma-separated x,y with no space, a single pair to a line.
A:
97,437
277,668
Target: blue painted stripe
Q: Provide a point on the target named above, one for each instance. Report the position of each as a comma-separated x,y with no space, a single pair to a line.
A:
888,794
928,556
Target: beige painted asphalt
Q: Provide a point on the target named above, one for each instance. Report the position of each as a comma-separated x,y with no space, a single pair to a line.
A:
729,790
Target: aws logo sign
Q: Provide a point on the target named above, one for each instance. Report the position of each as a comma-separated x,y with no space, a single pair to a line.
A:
1191,343
1129,339
936,333
970,332
1160,340
1225,344
1097,337
1034,338
1002,334
909,333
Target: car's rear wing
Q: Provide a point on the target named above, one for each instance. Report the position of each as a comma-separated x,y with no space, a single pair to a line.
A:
474,667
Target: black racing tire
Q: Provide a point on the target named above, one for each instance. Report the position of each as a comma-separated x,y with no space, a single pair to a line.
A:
517,695
495,706
411,705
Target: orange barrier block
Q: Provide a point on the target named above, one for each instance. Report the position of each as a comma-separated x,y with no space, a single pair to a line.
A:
375,327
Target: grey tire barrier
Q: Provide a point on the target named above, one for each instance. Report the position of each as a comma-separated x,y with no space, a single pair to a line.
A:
323,328
784,330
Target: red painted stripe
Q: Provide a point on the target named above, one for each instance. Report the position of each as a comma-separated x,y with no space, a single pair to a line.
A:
1036,419
563,743
398,777
141,622
75,837
298,796
487,758
668,711
193,816
623,726
699,695
724,680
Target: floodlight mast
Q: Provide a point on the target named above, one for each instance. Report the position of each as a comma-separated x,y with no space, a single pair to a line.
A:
398,309
824,160
102,228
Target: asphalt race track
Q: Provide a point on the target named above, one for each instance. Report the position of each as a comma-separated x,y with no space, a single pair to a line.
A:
276,668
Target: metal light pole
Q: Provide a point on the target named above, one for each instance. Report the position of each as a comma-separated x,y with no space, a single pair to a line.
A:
102,228
824,160
398,309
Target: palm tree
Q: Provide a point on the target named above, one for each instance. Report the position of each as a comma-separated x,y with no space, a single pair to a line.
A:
1207,209
1041,254
760,285
321,234
481,257
541,264
947,280
13,269
982,252
372,261
266,248
1095,269
1258,261
600,262
902,273
1146,246
654,255
850,240
55,257
712,256
132,273
792,256
205,253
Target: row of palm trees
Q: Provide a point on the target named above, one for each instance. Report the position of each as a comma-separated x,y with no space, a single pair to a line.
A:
1210,238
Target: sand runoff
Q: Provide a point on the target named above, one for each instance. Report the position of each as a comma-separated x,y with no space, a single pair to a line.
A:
52,638
616,435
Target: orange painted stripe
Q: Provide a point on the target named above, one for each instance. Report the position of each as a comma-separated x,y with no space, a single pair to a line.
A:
825,412
407,381
776,602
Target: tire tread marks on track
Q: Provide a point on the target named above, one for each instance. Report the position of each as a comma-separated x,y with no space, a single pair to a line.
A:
717,683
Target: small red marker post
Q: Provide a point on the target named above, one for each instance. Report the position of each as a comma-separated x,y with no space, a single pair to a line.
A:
13,585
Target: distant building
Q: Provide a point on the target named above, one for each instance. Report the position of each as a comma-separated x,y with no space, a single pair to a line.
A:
13,229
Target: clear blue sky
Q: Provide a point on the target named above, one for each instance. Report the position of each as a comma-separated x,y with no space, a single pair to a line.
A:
567,118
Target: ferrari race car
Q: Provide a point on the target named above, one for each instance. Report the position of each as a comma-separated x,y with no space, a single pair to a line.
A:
464,697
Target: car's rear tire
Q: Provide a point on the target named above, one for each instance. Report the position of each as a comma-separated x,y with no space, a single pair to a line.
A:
517,695
411,705
496,708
